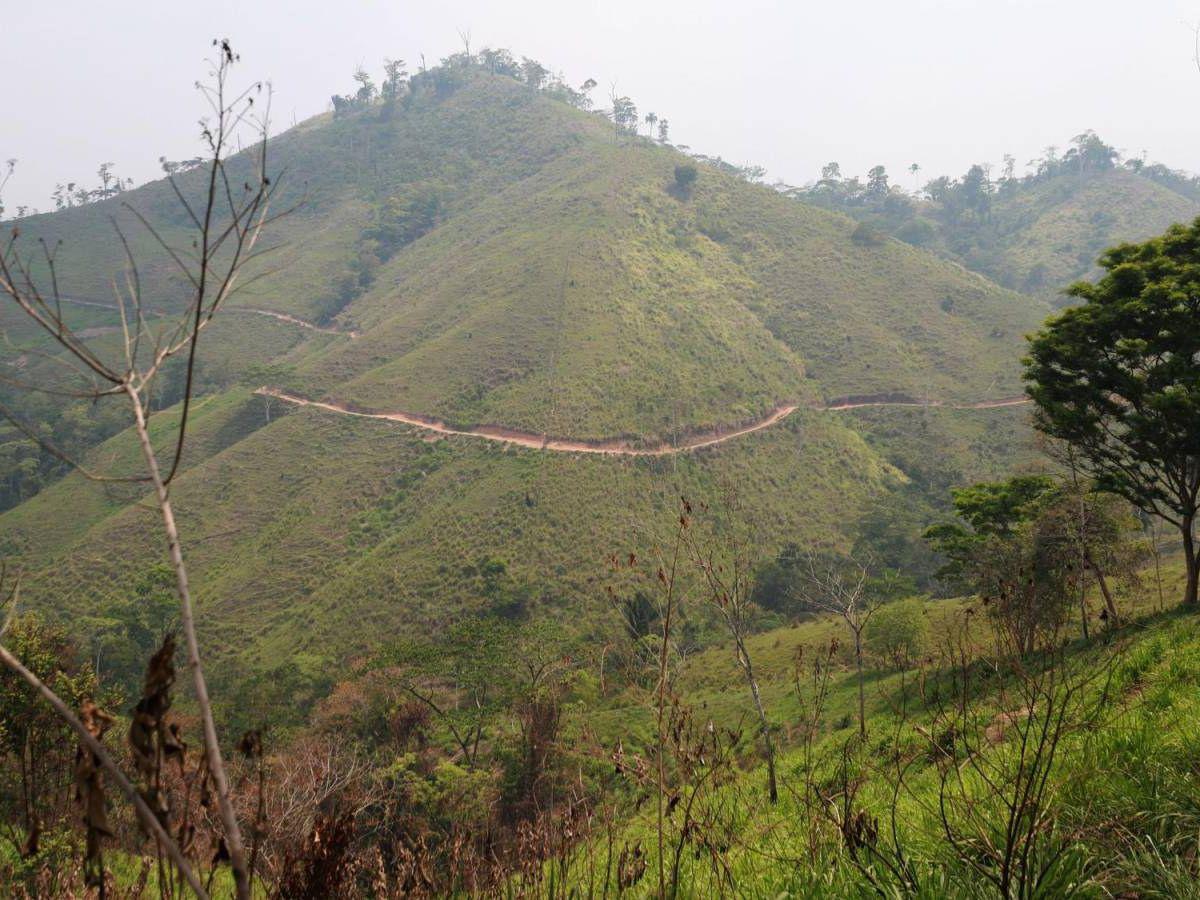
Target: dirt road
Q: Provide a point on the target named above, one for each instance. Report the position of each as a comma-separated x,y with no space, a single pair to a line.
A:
535,441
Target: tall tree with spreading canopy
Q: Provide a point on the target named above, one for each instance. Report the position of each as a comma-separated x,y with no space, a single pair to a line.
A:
1118,378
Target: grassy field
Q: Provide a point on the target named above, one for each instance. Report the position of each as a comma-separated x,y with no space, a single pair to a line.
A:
705,311
1122,787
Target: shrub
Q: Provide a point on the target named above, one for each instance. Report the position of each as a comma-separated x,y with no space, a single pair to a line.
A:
917,232
867,235
685,177
899,632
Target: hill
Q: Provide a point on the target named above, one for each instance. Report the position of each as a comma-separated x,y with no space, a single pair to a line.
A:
1035,233
491,257
1061,226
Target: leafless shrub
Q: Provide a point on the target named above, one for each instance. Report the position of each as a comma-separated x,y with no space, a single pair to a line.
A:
227,223
993,729
692,762
726,565
89,791
321,867
840,586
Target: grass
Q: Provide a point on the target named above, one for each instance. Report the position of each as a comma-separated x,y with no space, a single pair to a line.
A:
1124,791
591,274
313,532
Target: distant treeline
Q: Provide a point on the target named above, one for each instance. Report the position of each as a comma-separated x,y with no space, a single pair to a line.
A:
399,88
972,195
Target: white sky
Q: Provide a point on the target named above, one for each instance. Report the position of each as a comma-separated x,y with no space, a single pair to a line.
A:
787,85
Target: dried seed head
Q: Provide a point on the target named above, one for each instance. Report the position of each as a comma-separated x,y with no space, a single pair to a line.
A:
250,746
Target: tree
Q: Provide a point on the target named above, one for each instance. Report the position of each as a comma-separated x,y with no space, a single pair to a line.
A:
585,90
915,170
127,629
394,74
890,532
35,745
472,674
867,235
776,582
997,507
651,118
1029,545
366,86
500,62
624,115
1118,379
996,554
725,566
407,215
976,190
877,182
639,615
939,189
899,632
106,176
533,72
1010,167
663,131
64,195
685,177
1082,532
840,586
1090,154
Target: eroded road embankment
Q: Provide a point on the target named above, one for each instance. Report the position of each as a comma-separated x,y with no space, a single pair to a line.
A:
617,447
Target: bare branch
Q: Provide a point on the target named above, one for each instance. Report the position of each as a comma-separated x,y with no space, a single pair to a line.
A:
145,815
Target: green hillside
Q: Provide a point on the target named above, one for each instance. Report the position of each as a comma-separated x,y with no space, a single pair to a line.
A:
1035,233
1061,226
492,256
1119,784
706,310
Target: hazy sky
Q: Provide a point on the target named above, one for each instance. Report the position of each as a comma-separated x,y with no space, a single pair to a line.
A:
788,85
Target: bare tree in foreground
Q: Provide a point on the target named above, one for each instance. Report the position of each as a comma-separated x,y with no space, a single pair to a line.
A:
225,225
840,587
729,583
